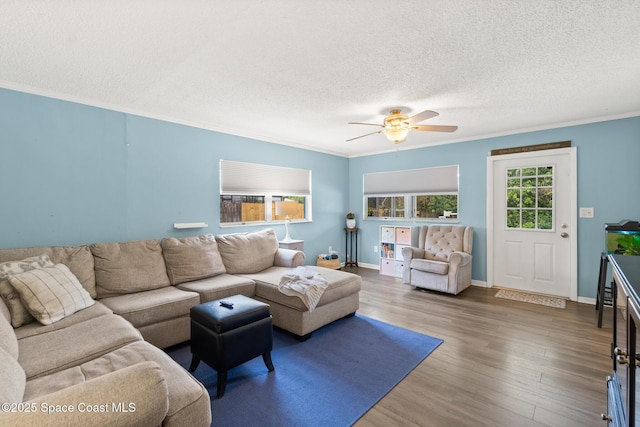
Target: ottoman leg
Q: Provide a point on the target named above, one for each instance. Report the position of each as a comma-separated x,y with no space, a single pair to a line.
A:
222,383
194,363
267,361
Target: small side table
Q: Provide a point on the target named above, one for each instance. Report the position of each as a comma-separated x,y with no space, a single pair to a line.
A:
350,233
297,245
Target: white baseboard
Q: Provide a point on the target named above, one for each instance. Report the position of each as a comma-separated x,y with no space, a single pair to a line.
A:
479,283
371,266
586,300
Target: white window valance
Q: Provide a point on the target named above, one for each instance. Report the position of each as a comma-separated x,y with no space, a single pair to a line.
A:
257,179
436,180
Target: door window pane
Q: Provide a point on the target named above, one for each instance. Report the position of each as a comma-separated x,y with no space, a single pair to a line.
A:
528,218
513,218
529,198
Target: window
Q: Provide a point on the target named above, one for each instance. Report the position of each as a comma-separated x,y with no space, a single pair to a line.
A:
249,191
530,198
428,193
385,206
437,206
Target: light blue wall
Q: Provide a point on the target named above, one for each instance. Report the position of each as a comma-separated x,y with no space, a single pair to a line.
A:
608,177
74,174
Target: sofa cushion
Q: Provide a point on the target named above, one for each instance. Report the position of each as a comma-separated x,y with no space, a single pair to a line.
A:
144,308
19,313
248,253
13,379
78,258
63,348
341,284
430,266
51,293
191,258
35,328
225,285
128,267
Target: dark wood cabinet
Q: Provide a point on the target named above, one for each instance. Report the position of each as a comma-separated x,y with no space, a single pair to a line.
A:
623,403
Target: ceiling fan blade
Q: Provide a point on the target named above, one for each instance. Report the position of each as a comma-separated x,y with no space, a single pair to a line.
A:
368,124
435,128
420,117
362,136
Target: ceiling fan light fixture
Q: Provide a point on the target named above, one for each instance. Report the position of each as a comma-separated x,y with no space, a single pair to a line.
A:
396,126
397,134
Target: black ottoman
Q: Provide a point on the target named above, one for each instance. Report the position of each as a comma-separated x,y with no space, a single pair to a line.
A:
228,332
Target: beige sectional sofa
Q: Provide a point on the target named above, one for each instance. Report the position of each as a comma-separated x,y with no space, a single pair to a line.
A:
92,355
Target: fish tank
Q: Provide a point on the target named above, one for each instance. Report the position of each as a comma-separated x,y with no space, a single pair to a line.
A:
622,238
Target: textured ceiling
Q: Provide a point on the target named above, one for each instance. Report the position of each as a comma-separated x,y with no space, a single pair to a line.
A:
295,72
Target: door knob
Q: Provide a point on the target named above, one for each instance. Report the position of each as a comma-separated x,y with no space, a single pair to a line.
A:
564,235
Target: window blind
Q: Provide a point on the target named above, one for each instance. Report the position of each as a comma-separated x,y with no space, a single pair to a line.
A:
257,179
442,179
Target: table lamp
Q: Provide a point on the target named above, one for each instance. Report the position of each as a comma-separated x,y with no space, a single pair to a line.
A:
286,208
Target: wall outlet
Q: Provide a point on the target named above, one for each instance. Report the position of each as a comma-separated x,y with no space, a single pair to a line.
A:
586,212
375,249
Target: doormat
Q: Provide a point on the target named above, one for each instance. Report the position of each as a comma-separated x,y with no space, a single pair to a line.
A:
554,302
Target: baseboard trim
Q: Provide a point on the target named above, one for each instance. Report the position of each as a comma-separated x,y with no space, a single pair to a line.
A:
586,300
371,266
480,283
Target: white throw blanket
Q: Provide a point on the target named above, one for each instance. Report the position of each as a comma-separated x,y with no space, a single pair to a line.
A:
304,283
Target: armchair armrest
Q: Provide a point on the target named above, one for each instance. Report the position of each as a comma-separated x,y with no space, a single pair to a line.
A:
135,395
459,259
288,258
408,254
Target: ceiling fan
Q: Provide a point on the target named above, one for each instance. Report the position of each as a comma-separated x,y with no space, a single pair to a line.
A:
396,125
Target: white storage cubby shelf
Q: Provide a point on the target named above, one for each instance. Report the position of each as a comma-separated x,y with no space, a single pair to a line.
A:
392,240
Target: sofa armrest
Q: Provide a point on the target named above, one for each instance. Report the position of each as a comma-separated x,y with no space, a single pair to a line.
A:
288,258
135,395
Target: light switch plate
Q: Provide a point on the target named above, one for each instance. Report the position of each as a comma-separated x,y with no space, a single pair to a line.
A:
586,212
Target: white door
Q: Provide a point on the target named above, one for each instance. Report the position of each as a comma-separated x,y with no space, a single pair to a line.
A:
532,222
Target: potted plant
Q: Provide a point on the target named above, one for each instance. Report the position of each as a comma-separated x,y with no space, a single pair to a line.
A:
351,220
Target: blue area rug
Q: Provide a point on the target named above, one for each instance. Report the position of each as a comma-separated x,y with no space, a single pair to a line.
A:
330,380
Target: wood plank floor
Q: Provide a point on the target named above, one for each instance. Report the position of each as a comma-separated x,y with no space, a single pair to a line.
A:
502,363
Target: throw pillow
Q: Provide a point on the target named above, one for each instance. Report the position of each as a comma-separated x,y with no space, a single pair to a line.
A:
248,253
51,293
19,314
191,258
